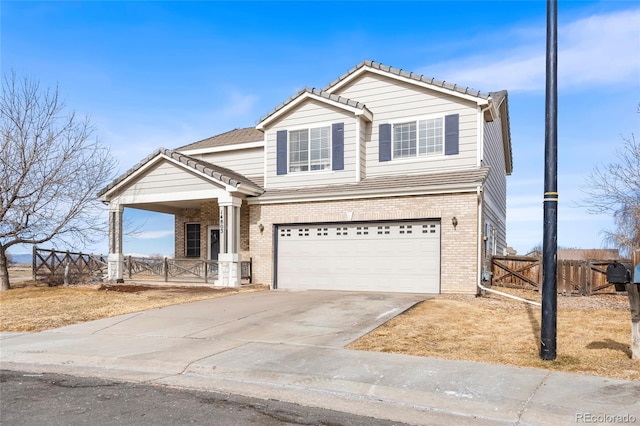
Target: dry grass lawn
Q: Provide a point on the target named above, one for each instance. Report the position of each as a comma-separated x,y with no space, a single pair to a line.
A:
29,307
594,333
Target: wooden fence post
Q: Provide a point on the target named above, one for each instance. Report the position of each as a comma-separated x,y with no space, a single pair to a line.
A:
66,273
166,270
633,290
34,250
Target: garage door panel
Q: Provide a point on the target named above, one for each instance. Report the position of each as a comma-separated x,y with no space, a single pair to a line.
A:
400,256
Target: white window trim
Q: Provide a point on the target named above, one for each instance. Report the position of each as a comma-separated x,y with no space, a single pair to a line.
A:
308,127
416,119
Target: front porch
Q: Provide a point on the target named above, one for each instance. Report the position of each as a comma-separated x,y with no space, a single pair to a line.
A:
210,215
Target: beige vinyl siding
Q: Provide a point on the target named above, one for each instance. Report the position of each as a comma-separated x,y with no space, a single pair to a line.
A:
312,114
165,178
495,189
248,162
164,182
393,101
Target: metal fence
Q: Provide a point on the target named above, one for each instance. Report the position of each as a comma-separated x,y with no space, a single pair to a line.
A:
56,267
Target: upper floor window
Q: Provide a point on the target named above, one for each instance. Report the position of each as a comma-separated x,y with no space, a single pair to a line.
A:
309,149
418,138
314,148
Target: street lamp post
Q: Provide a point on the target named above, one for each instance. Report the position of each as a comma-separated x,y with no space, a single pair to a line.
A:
550,236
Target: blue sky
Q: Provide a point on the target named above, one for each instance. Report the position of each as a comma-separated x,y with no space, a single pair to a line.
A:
164,74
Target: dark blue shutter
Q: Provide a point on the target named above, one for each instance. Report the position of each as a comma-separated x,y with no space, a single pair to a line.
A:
451,134
384,142
337,146
281,152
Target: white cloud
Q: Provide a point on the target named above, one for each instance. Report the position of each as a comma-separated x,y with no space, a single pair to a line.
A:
598,50
152,235
601,49
238,105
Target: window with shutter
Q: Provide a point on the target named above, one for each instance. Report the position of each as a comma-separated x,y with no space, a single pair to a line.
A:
309,149
423,137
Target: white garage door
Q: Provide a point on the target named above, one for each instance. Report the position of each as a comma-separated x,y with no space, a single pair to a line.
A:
394,257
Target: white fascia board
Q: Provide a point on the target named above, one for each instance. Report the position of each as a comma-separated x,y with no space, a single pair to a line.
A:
306,95
338,196
132,200
348,79
224,148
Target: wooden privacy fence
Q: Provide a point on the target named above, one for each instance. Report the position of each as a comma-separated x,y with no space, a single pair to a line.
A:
57,267
584,277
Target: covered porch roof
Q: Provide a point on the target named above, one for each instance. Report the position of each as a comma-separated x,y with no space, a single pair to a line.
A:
167,181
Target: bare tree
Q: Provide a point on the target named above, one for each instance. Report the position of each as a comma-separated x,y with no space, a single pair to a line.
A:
615,189
51,169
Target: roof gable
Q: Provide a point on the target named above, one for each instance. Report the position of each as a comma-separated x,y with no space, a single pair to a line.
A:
357,108
410,77
224,177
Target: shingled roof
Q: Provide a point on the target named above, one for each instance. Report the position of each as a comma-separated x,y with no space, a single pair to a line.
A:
219,173
392,184
411,75
232,137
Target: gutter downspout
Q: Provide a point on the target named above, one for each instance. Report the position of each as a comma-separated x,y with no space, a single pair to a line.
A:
479,230
510,296
358,147
480,286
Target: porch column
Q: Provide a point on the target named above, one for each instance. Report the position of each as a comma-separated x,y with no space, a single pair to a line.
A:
116,258
229,274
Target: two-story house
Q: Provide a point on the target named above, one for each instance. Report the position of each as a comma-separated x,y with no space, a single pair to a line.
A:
384,180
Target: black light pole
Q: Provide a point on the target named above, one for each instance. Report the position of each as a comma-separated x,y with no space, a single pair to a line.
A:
550,239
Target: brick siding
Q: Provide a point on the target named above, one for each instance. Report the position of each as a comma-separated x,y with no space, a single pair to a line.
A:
458,246
208,215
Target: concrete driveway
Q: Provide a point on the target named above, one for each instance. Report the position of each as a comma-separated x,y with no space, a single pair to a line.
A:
171,339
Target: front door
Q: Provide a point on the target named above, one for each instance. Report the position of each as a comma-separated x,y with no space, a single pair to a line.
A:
214,243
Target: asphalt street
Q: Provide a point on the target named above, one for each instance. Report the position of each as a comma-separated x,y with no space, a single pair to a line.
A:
56,399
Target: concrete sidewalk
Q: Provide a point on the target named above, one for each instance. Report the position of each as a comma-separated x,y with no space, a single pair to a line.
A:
289,346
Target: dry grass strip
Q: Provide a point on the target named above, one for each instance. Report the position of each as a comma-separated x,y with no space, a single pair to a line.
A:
37,308
591,340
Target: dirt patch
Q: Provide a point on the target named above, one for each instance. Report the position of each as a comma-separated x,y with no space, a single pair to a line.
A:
124,288
594,333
